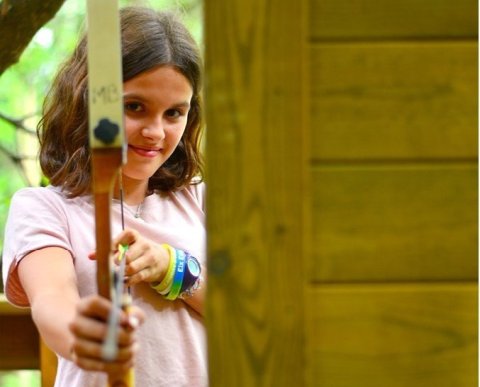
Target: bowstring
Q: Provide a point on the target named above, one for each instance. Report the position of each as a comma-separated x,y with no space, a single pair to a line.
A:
122,217
120,181
110,347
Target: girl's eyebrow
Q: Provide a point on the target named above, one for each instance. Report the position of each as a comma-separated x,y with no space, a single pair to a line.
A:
179,105
182,104
132,95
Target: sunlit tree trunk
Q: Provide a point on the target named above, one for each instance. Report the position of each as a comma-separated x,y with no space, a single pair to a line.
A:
19,21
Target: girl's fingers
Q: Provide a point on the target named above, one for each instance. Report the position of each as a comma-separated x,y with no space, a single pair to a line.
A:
92,317
139,263
93,364
148,265
138,277
145,269
135,251
135,318
87,328
146,261
126,237
96,331
94,306
92,350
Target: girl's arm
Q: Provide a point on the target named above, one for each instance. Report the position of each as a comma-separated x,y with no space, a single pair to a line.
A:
196,301
48,277
73,327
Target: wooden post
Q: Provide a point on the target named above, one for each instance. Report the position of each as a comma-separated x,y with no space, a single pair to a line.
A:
48,365
256,199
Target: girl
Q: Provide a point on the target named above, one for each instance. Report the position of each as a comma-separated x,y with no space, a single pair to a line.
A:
49,236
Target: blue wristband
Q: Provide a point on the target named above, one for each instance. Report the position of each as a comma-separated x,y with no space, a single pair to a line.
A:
178,277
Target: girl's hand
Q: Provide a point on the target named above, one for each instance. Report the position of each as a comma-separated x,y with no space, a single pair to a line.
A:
89,329
146,260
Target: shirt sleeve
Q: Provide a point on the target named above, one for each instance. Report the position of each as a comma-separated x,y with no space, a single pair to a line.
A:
36,220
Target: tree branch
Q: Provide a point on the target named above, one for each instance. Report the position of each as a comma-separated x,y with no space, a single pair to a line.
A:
16,159
19,22
17,162
18,123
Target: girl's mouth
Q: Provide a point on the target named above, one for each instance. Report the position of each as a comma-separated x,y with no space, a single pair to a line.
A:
145,152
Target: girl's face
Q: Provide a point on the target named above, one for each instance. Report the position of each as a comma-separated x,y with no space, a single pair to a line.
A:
156,103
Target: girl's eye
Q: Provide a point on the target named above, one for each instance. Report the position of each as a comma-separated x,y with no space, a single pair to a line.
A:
133,107
173,113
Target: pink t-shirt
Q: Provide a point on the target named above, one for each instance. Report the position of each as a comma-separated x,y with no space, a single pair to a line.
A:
172,339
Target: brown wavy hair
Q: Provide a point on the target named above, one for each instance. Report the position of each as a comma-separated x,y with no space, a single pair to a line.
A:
149,39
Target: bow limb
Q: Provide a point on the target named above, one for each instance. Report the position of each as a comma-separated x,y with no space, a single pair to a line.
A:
106,136
105,167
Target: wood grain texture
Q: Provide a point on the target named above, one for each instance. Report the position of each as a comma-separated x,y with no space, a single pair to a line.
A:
255,110
394,100
19,342
394,223
393,122
395,336
8,309
386,19
48,365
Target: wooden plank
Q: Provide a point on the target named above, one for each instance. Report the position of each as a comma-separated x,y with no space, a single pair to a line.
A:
256,170
394,222
396,336
19,339
381,19
394,100
19,345
48,364
8,309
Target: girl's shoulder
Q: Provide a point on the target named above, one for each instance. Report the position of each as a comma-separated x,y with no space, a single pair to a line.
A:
191,195
49,196
37,194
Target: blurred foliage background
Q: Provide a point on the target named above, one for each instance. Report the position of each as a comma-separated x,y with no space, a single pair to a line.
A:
22,89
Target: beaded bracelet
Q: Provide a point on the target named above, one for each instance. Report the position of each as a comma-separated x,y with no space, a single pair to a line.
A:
187,293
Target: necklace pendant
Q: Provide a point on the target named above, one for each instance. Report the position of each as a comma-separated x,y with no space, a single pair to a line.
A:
139,211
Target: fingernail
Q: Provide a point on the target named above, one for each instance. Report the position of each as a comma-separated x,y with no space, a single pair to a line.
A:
133,321
135,347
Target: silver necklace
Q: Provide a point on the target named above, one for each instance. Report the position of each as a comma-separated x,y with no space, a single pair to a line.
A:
138,212
135,211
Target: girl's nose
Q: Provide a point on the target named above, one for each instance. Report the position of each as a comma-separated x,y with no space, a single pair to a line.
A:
154,131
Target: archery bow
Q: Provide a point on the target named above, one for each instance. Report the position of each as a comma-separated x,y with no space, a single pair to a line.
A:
106,136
